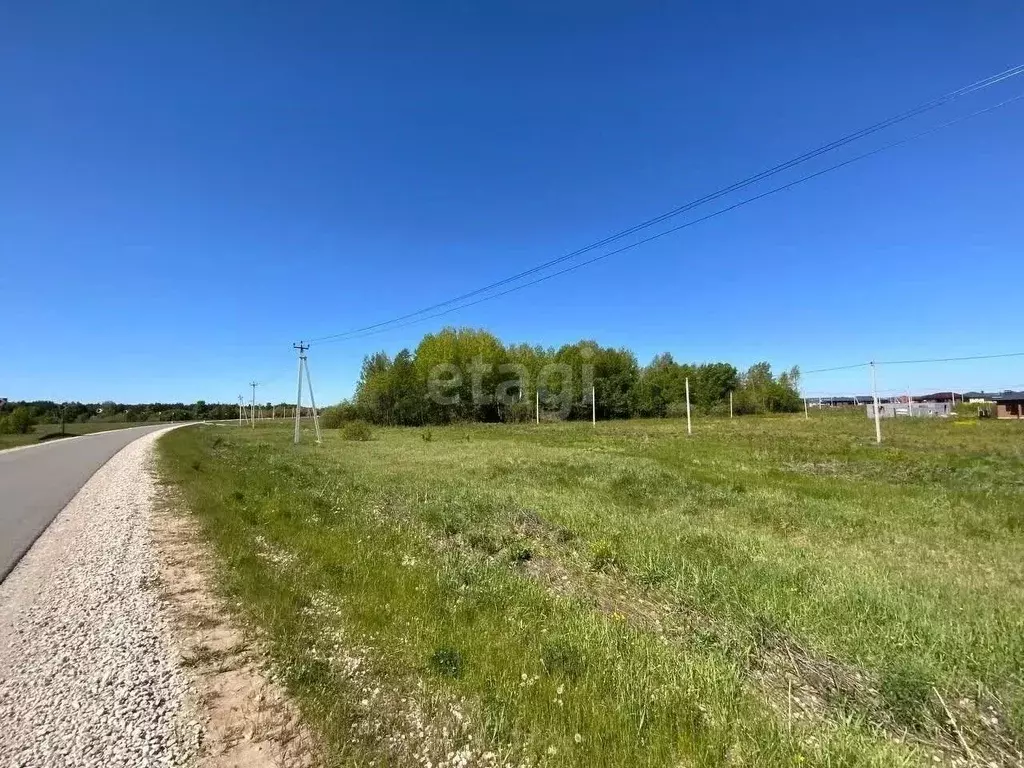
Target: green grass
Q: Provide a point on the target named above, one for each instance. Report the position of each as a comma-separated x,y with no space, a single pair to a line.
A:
44,432
769,591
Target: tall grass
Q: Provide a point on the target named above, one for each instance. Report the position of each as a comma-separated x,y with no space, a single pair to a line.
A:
767,592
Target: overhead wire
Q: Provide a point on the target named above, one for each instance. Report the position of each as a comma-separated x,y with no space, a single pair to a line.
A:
836,368
825,148
950,359
411,320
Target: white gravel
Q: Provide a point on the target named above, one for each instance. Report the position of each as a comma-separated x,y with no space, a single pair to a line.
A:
88,675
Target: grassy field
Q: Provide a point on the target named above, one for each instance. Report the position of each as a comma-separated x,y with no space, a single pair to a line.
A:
43,432
769,591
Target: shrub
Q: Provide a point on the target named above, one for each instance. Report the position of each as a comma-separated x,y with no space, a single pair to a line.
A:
520,412
356,430
719,409
20,422
676,410
330,418
973,410
335,416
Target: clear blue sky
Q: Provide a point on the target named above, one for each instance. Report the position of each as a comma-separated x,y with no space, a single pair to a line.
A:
187,188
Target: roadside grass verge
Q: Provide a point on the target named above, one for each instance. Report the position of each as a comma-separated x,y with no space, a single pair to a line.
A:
769,592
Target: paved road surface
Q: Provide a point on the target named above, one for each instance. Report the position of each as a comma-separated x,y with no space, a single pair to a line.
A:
37,482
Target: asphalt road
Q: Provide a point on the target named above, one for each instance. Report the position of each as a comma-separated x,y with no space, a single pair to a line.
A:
37,482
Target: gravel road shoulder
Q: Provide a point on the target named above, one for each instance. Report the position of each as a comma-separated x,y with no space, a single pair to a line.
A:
115,652
88,676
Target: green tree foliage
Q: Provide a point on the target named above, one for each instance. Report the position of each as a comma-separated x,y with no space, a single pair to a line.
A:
661,390
615,374
335,416
712,384
761,392
18,422
49,412
465,374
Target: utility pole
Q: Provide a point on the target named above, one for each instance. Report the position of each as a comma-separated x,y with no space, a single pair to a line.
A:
537,407
730,403
241,410
689,425
252,410
593,404
298,399
874,397
806,414
304,367
312,401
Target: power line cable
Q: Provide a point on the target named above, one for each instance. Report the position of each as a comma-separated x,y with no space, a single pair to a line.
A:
950,359
856,135
351,335
837,368
910,362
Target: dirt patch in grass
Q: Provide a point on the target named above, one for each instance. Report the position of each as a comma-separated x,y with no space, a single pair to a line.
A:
527,523
245,719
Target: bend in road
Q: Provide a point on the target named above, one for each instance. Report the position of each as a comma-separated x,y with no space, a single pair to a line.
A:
36,483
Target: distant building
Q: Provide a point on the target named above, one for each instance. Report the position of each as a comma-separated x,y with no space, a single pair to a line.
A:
832,402
1009,405
939,397
892,410
978,397
842,401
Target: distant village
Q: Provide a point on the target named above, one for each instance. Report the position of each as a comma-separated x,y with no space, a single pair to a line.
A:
1007,404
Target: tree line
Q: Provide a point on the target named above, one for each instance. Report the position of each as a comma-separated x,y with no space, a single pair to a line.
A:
467,374
22,416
